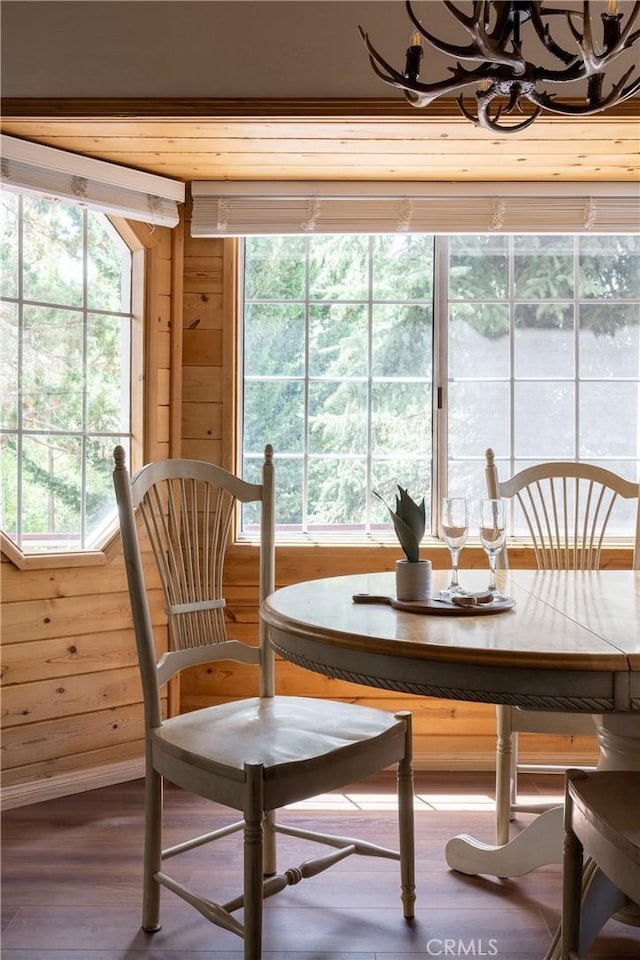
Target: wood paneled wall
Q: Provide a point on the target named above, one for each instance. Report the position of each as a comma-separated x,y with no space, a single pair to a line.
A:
202,353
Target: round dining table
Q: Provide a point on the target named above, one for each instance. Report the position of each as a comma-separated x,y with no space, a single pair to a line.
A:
570,642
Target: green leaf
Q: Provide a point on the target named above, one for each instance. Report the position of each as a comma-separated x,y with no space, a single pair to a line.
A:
408,522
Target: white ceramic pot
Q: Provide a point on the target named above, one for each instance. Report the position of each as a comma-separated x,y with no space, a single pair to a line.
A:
413,580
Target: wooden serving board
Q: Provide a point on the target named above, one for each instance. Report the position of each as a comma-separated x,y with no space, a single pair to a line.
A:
437,607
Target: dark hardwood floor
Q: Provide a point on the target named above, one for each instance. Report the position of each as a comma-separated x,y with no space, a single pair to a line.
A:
71,883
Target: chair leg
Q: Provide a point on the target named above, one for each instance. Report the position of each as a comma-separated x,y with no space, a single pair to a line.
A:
571,885
152,849
253,861
405,821
269,855
513,793
504,778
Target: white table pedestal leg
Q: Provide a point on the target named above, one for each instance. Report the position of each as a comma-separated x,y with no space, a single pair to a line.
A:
619,741
539,843
541,840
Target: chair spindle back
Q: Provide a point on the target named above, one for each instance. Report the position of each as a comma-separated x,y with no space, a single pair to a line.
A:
188,508
566,507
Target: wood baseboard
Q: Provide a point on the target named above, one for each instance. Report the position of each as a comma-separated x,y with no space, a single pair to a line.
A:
65,784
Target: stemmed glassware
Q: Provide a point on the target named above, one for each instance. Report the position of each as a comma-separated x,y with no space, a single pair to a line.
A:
455,527
492,537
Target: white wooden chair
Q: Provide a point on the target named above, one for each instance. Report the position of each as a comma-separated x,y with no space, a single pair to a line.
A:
252,755
566,508
601,860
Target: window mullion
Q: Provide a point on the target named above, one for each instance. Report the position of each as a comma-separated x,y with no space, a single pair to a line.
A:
20,418
305,435
512,350
576,347
369,467
85,385
440,401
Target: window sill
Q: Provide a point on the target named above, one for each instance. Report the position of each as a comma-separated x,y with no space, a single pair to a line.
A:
310,558
45,561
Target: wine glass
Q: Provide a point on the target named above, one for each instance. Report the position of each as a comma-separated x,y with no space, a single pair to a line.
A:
492,537
455,527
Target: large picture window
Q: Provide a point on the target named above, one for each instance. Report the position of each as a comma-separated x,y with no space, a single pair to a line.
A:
376,360
65,342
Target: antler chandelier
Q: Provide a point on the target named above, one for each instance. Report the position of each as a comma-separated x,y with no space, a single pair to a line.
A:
502,75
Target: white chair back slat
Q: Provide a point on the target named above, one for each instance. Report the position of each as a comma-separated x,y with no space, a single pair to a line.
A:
223,521
586,538
607,500
554,525
571,524
171,527
549,510
155,525
191,545
530,514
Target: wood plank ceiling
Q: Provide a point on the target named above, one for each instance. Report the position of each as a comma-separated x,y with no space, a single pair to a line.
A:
329,140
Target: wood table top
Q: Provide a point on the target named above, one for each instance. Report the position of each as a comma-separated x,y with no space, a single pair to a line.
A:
572,641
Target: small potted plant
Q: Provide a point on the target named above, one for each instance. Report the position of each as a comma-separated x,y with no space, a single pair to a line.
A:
413,575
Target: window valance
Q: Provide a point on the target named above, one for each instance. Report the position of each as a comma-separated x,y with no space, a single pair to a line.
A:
38,170
250,208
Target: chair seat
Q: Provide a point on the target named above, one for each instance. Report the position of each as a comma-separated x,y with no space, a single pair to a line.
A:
297,739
